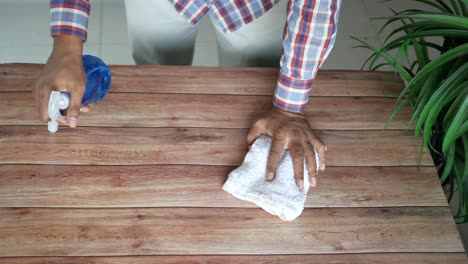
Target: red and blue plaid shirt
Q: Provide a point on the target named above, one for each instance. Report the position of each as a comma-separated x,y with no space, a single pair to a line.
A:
309,34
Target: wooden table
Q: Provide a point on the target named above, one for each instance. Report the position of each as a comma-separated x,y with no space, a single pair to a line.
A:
140,180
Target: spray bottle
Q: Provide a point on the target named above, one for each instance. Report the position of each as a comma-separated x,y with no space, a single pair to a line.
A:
97,85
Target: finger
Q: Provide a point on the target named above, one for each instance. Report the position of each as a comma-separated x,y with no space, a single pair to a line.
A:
254,132
84,108
321,150
297,155
276,149
73,111
311,164
42,99
62,122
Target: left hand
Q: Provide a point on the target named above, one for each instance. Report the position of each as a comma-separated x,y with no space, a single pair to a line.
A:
290,131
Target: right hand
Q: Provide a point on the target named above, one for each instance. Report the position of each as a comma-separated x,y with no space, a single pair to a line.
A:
290,131
63,72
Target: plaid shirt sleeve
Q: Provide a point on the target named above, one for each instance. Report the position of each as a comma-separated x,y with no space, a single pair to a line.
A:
309,35
69,17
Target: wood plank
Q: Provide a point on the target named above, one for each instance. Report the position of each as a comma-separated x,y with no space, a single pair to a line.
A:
187,231
200,186
197,146
217,111
385,258
216,80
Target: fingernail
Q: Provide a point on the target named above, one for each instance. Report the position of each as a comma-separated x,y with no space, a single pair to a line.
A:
322,166
326,149
72,121
313,182
270,176
301,185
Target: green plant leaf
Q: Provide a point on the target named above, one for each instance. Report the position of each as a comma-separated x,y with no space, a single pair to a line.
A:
444,92
430,85
399,68
460,117
434,46
414,27
463,4
463,130
434,5
465,148
449,159
440,19
461,169
454,53
434,112
443,95
465,170
395,13
390,20
455,7
368,59
402,53
376,56
459,62
445,6
421,52
451,189
377,67
458,171
442,32
413,65
450,114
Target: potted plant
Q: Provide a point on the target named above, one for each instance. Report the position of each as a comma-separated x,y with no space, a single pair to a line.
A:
436,88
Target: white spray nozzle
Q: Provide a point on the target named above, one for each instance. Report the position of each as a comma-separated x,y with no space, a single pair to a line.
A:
57,101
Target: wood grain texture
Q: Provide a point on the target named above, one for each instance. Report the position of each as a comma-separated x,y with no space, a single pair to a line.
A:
217,111
215,80
197,146
140,180
200,186
193,231
384,258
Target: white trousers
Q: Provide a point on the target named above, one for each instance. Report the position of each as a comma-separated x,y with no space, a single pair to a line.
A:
160,35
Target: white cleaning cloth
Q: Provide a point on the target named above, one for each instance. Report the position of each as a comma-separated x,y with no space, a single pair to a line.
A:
279,197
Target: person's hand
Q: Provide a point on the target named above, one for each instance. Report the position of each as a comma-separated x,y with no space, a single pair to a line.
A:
290,131
63,72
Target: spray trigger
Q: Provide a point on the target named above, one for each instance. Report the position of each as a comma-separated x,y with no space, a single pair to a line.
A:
57,101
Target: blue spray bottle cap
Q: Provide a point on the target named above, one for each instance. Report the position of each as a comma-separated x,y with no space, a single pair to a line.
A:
97,85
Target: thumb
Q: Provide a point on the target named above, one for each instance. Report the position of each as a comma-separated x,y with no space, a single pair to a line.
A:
73,111
254,132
